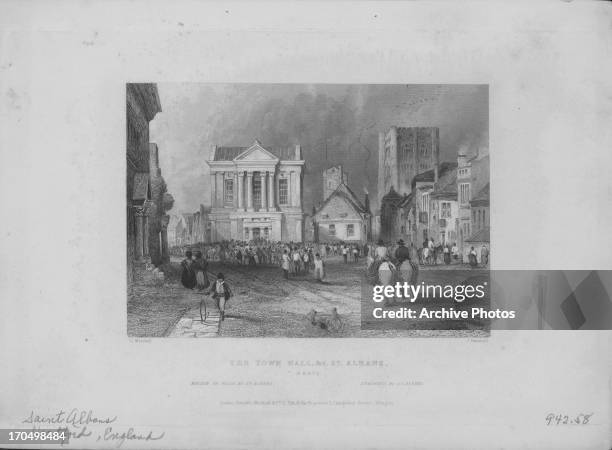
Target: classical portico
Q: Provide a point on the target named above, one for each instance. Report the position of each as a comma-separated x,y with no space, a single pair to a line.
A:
256,193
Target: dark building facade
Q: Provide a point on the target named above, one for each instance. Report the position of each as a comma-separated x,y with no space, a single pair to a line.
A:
146,196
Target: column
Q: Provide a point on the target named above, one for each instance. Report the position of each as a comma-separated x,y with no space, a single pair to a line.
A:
298,189
292,190
213,189
250,191
139,250
220,189
164,245
271,189
236,190
165,256
298,230
264,197
240,190
213,231
145,245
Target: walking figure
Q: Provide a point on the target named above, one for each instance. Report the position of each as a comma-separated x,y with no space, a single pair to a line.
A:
221,292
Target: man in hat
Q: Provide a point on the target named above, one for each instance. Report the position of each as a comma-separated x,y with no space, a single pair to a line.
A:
402,253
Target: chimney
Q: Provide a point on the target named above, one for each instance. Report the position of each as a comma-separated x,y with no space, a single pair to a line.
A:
367,202
213,152
298,152
435,173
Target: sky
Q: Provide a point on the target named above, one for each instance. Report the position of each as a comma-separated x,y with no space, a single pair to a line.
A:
334,124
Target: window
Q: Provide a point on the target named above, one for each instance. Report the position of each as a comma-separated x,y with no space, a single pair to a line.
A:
425,202
229,191
350,230
332,229
464,192
257,192
283,191
445,213
267,233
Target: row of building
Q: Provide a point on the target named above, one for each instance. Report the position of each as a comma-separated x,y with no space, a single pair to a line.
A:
427,199
256,193
147,199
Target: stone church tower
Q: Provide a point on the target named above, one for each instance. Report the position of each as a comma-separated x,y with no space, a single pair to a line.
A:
332,178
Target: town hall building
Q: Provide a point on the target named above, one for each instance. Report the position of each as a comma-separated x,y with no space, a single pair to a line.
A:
256,193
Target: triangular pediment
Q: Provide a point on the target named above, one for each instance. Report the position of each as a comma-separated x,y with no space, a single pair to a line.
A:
256,153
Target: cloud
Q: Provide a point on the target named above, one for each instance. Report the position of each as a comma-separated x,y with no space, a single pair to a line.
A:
334,124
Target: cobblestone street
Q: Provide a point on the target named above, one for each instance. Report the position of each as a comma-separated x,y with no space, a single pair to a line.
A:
264,304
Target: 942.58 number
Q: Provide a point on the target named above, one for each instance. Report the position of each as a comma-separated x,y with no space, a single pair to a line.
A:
561,419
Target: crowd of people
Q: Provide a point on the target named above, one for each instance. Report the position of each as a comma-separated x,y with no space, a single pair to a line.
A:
302,255
431,254
292,257
308,257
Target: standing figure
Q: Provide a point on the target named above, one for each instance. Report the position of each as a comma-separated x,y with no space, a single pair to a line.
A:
472,258
200,265
296,261
455,252
319,268
221,292
405,268
447,256
484,255
188,277
285,265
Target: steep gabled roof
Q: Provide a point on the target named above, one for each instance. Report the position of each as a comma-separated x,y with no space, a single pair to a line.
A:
344,192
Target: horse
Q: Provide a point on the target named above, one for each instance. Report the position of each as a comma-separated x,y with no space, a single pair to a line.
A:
406,272
387,273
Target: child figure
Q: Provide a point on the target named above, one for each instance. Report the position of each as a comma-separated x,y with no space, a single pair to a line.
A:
221,292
